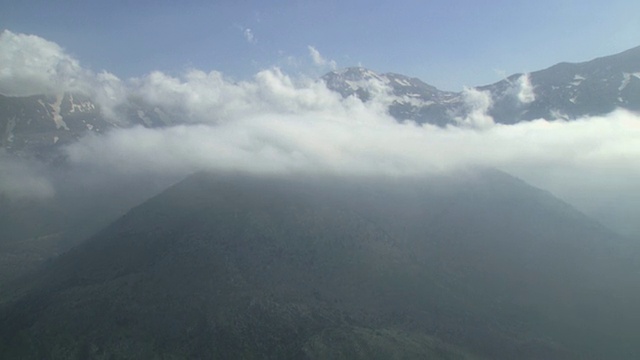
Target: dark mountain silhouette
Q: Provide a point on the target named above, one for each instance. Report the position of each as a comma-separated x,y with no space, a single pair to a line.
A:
476,264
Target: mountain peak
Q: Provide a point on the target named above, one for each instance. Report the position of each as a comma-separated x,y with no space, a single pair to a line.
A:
565,90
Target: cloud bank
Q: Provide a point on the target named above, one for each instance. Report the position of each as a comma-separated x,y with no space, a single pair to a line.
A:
278,124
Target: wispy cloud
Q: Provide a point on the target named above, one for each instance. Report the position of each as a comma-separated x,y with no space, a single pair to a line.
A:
249,36
319,60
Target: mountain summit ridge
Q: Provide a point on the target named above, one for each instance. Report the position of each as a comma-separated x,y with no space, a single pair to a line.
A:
562,91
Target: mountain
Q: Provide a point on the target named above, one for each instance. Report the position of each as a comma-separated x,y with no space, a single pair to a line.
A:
38,125
569,91
475,264
411,98
33,230
563,91
35,126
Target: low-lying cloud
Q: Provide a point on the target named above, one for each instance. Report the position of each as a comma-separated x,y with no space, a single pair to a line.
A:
23,179
278,124
540,150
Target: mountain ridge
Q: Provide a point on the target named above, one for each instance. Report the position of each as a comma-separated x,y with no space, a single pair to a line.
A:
562,91
39,125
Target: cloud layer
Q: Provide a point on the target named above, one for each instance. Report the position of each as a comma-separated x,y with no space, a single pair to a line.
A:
279,124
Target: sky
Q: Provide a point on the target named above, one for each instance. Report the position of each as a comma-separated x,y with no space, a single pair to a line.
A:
445,43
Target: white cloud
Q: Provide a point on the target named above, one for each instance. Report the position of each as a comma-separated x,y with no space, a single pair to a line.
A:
525,92
200,97
32,65
320,61
358,139
478,103
589,162
520,89
276,123
248,35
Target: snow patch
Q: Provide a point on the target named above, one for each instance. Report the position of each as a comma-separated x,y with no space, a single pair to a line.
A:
577,80
627,79
85,106
145,119
558,115
352,84
417,102
57,117
402,82
8,131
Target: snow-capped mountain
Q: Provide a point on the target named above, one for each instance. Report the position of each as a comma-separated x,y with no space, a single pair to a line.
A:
569,90
37,125
409,98
563,91
34,125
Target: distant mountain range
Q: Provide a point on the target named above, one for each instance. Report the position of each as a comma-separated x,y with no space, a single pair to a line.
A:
563,91
37,124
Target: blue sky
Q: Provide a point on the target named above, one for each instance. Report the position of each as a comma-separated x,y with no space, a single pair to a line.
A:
445,43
